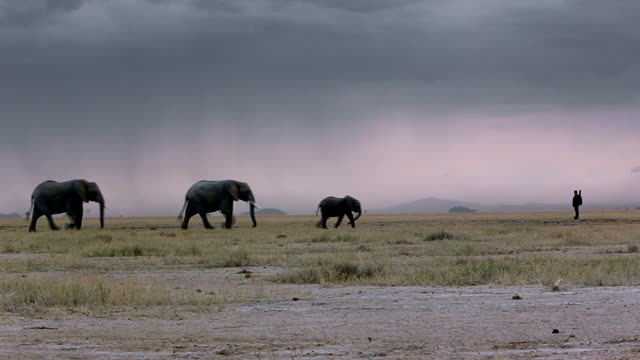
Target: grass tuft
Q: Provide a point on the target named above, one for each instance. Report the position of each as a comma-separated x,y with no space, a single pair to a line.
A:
331,271
445,235
226,258
119,250
237,258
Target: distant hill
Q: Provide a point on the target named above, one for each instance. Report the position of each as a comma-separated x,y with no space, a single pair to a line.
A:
435,205
10,216
461,209
267,211
428,205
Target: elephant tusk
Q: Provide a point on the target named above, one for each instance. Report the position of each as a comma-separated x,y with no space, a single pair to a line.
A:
117,212
255,205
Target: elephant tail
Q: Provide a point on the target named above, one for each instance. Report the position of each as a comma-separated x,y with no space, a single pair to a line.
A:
317,209
30,210
186,202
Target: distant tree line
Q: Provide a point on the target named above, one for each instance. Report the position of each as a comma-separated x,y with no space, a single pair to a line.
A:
461,209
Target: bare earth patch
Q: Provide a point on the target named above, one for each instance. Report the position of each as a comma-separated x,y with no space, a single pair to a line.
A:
348,322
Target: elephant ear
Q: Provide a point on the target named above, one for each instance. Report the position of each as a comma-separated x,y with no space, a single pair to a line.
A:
356,205
348,200
234,190
81,190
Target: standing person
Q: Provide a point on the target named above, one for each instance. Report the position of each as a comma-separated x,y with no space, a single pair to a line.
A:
577,201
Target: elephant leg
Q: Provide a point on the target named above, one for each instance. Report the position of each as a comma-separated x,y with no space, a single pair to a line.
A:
324,221
188,213
75,213
71,223
229,220
351,221
35,215
226,208
225,224
52,224
77,220
339,220
205,221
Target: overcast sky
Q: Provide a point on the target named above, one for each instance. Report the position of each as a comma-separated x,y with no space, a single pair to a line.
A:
389,101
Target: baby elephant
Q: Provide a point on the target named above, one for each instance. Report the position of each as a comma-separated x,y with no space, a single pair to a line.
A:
332,206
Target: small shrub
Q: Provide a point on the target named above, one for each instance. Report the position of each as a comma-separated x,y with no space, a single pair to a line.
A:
225,258
300,276
363,248
321,238
333,271
632,248
444,235
236,258
9,249
346,270
400,242
116,251
467,250
104,237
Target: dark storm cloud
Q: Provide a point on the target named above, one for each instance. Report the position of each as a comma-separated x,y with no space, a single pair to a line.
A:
431,53
29,12
218,81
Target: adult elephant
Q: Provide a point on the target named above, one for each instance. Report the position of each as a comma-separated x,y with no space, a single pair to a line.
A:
334,206
52,197
209,196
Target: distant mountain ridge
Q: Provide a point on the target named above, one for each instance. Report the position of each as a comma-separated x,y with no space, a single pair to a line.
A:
436,205
10,216
428,205
267,211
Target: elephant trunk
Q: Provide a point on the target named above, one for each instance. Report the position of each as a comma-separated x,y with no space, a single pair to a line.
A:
358,216
100,200
102,215
252,208
252,212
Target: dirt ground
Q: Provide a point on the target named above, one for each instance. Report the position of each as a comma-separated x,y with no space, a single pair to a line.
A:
350,322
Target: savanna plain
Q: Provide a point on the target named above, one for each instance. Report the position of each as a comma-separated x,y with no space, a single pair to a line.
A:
422,286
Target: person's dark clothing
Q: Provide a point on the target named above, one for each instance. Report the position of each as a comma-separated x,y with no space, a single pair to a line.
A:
577,201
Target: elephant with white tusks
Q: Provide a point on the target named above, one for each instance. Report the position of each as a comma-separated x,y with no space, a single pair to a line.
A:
209,196
52,197
333,206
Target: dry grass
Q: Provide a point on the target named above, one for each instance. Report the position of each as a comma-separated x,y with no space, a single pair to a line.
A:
333,270
29,294
445,235
429,249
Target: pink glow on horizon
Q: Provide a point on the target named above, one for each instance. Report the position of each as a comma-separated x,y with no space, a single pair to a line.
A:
383,165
